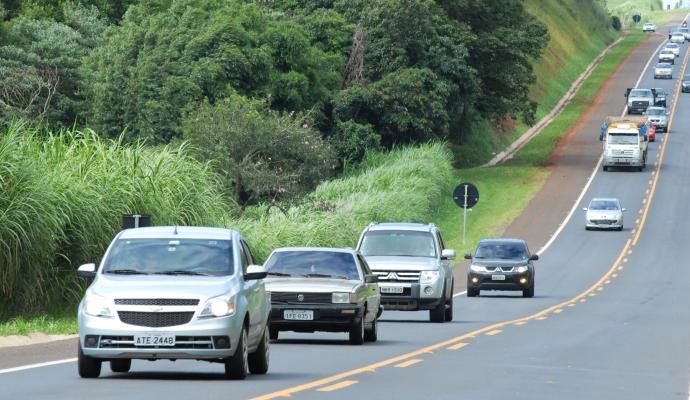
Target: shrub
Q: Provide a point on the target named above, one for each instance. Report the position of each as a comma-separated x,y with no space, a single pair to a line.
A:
353,139
616,23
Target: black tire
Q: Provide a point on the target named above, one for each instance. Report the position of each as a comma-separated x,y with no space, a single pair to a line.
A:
605,168
237,366
449,307
273,333
121,365
472,292
620,228
258,360
88,367
529,292
357,332
372,334
438,313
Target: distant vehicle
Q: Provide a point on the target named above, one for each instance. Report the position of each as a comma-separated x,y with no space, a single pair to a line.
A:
674,47
414,267
648,27
667,55
660,96
685,84
626,143
678,37
663,70
684,24
501,264
657,116
175,293
685,31
604,213
323,289
639,99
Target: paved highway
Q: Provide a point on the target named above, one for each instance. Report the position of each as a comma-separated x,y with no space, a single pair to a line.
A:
609,319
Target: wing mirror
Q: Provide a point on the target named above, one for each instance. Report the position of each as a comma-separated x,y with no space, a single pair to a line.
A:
371,279
448,254
534,257
468,256
624,209
255,272
87,271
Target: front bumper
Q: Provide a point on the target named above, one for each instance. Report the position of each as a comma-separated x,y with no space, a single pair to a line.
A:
604,224
623,162
414,297
201,339
327,317
685,88
486,281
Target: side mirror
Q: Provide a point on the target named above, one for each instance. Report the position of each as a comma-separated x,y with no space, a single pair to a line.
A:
534,257
468,256
448,254
87,271
255,272
624,209
371,279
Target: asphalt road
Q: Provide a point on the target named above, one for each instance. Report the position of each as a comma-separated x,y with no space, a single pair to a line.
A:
609,320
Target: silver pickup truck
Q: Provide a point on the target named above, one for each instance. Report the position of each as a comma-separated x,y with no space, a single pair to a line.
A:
639,99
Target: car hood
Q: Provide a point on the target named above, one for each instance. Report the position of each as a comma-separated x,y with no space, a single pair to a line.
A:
397,263
603,214
490,262
640,98
310,285
161,286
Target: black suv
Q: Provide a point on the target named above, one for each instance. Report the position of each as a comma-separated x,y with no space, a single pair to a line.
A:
501,264
685,84
660,97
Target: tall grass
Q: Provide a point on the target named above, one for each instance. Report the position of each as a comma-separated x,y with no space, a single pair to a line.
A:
62,196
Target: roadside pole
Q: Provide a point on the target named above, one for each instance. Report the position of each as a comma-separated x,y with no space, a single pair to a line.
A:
465,196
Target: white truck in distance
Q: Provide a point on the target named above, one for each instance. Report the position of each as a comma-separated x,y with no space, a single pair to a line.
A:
626,143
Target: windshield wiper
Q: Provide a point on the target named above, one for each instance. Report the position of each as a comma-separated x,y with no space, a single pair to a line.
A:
325,276
182,272
126,271
278,274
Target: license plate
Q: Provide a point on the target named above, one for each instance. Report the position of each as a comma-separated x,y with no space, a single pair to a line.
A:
498,277
154,340
298,315
392,289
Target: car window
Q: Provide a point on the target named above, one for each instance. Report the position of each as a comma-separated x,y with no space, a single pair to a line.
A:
160,256
501,250
440,241
655,111
398,243
639,93
608,205
313,264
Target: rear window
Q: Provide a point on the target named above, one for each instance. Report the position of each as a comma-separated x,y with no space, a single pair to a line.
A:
313,264
166,256
501,250
398,243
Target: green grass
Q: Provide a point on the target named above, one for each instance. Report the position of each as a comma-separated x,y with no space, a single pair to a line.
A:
507,189
649,10
60,323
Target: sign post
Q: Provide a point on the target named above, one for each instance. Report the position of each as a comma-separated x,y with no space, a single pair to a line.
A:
465,196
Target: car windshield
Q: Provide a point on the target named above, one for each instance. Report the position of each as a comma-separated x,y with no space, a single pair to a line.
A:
313,264
672,46
687,78
622,138
608,205
501,250
398,243
640,93
667,52
167,256
655,111
663,65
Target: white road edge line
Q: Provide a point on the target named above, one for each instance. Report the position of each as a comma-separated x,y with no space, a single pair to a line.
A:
32,366
598,166
459,293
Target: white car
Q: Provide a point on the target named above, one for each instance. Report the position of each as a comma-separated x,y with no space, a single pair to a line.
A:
604,213
663,70
667,56
648,27
677,37
674,47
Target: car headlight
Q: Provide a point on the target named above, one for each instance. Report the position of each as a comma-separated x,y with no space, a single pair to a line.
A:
428,276
477,268
220,306
97,306
341,298
522,269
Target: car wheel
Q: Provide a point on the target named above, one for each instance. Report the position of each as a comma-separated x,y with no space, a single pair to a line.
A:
357,332
438,313
273,333
449,307
372,334
472,292
121,365
529,292
89,367
620,228
258,360
237,366
605,168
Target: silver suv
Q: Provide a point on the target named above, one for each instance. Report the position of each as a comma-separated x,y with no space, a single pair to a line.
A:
175,293
413,267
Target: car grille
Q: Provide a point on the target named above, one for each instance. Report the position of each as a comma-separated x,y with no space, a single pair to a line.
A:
603,221
307,298
156,302
155,319
640,103
398,276
499,269
181,342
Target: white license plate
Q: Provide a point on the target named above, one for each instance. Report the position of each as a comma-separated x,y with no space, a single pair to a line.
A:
498,277
392,289
154,340
299,315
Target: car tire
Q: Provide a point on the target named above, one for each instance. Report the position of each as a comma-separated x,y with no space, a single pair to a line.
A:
448,313
529,292
89,367
121,365
273,333
472,292
620,228
438,313
237,365
357,332
372,334
258,360
605,168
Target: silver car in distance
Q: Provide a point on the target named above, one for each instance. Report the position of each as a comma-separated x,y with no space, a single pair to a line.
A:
175,293
323,289
604,213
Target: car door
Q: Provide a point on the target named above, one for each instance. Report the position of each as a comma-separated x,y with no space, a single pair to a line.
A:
372,290
446,264
255,293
